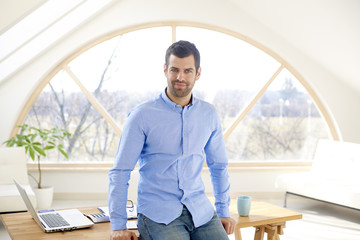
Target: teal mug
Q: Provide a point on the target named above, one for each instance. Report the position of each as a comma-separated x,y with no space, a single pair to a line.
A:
243,205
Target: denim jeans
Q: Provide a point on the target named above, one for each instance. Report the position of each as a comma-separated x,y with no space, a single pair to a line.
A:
181,228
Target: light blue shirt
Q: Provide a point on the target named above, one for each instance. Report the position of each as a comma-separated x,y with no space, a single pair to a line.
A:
170,143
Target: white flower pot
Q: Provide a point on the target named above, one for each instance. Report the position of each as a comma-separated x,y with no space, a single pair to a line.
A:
44,197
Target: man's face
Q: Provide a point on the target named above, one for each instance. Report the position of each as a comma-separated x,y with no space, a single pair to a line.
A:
181,75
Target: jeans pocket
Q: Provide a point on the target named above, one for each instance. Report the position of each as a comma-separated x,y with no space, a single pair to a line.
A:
143,227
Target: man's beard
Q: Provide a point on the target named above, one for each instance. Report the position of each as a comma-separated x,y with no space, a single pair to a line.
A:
180,92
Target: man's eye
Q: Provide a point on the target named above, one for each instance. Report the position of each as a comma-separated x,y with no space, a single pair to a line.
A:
173,70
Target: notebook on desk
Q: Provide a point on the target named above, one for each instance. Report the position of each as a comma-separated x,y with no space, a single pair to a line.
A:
131,215
55,221
130,210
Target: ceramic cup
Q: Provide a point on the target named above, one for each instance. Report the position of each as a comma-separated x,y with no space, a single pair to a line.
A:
243,205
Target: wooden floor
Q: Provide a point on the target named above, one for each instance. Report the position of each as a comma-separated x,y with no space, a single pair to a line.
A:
320,221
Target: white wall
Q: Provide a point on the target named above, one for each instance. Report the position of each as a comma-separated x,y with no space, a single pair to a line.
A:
94,184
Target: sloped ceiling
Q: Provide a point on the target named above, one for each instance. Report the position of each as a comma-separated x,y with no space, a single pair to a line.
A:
38,26
326,30
11,11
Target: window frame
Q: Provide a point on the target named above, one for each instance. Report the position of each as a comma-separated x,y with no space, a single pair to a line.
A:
241,165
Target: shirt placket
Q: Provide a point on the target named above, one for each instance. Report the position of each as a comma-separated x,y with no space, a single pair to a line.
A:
183,142
185,149
184,133
179,166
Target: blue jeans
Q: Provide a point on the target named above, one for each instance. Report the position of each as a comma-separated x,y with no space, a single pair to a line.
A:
181,228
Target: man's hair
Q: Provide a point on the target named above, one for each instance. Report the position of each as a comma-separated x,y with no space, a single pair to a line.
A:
183,49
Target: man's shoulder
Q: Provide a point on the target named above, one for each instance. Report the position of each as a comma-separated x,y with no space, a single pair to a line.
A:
147,105
205,105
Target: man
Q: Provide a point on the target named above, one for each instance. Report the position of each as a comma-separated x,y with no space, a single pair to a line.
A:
170,137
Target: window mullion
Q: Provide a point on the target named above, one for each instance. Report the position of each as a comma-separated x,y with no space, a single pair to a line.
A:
251,104
94,102
173,28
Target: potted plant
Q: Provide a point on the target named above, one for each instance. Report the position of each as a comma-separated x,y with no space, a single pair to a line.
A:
37,142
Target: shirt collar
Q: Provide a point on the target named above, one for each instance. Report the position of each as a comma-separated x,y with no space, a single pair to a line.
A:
173,105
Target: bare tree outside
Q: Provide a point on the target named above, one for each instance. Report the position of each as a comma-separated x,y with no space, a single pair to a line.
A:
276,128
91,135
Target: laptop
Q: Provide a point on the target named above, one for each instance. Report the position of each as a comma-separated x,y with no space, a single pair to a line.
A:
55,221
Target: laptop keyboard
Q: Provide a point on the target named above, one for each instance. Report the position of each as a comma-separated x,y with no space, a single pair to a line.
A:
54,220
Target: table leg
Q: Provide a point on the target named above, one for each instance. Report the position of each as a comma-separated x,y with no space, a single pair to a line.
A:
281,229
259,233
273,231
237,233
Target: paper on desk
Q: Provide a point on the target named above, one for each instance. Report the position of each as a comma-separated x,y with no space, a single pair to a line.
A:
132,224
104,210
131,211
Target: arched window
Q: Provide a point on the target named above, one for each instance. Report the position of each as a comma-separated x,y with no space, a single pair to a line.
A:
266,112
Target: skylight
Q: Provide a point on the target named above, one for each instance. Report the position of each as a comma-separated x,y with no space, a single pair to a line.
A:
33,24
40,29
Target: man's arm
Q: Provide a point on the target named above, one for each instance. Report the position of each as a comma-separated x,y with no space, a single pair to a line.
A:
221,185
217,162
127,155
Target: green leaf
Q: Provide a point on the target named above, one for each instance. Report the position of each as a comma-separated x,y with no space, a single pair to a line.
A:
19,136
10,142
35,129
40,151
32,137
32,153
23,127
63,152
20,144
49,147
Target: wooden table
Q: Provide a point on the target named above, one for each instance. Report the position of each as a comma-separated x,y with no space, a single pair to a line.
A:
265,217
22,226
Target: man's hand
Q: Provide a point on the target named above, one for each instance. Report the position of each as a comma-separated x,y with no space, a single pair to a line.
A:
123,235
228,224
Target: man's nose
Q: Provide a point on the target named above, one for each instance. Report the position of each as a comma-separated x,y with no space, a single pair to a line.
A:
180,76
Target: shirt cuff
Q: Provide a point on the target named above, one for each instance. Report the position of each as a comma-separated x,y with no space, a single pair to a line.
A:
118,224
223,213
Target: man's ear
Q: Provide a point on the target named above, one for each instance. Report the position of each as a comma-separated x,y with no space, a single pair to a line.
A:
198,74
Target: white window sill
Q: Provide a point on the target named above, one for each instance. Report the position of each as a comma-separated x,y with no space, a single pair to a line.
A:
233,166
